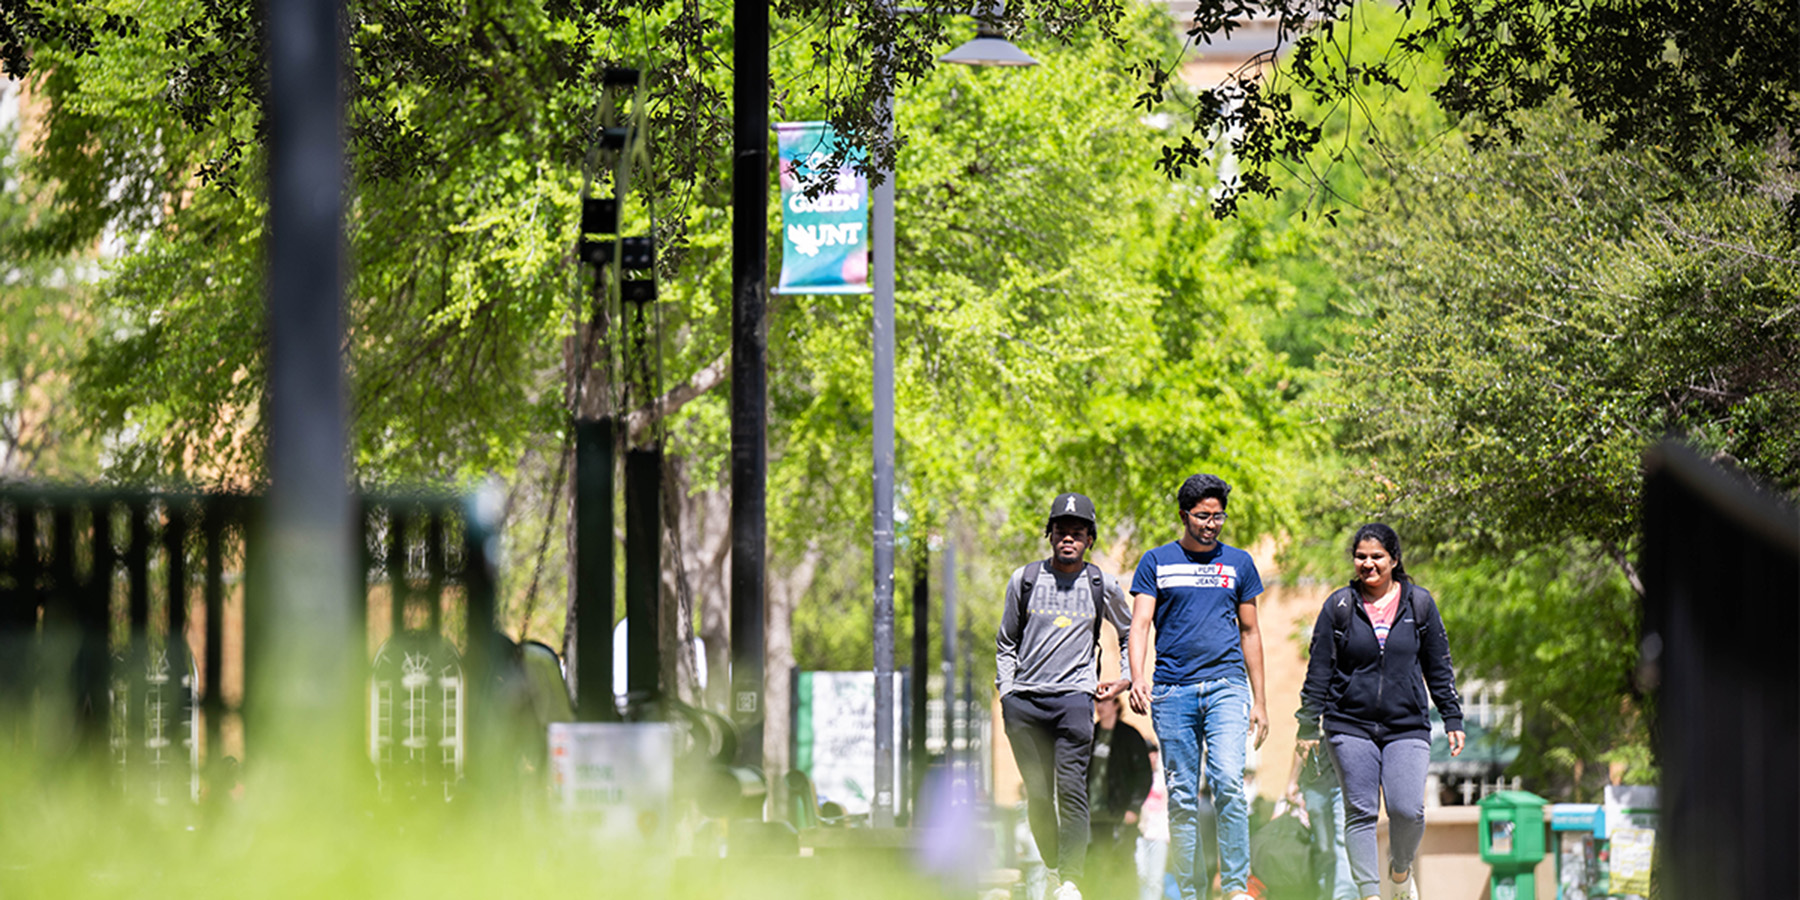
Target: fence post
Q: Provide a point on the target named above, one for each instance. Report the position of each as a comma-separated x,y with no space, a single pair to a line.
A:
1721,570
643,573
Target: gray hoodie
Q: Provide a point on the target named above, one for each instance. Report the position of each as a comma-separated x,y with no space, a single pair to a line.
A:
1051,649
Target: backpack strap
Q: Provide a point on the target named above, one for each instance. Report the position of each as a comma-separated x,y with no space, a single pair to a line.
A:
1096,592
1027,581
1341,614
1096,583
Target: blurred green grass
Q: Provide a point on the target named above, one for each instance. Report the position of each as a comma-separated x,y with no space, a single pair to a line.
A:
68,831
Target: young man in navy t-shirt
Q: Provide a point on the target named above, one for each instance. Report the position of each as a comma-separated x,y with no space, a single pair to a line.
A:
1207,693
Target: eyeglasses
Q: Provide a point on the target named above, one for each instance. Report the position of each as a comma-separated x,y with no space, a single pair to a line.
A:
1205,518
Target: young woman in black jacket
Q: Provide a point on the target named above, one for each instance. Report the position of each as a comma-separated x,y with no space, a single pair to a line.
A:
1378,648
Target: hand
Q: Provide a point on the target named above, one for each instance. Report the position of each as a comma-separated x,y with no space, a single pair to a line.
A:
1131,817
1305,748
1456,742
1259,723
1112,689
1140,697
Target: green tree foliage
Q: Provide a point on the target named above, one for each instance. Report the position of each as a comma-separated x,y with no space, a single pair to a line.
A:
1532,317
467,133
1522,322
1689,82
43,326
1556,628
1693,81
859,53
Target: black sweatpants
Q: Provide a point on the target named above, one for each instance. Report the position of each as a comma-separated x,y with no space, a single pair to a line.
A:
1052,738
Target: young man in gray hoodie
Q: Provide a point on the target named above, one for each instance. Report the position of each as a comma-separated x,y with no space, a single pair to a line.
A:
1048,666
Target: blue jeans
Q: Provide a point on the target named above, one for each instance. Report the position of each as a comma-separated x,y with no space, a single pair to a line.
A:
1208,721
1325,810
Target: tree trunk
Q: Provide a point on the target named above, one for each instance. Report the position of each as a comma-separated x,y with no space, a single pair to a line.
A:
784,592
697,546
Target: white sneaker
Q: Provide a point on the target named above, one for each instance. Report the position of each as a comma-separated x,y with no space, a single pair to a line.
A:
1406,890
1068,891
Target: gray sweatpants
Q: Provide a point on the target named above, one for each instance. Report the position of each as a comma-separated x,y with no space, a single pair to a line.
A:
1369,771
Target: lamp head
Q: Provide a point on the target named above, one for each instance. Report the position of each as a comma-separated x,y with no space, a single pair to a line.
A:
988,48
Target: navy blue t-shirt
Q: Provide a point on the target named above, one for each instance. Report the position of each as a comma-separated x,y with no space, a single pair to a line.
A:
1197,597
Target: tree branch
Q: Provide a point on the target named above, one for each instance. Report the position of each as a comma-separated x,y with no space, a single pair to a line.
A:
1624,563
1668,222
639,420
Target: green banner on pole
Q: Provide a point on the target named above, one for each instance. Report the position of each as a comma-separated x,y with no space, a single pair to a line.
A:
825,236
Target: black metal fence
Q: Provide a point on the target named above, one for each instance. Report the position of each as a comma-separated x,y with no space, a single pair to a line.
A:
1721,640
128,626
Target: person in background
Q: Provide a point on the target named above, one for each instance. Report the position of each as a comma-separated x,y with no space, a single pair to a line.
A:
1047,666
1118,781
1378,648
1313,787
1153,836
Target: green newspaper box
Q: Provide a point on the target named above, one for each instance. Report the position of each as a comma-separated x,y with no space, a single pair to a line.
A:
1512,842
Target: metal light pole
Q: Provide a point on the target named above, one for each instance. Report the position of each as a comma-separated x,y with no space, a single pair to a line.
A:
988,48
881,251
749,377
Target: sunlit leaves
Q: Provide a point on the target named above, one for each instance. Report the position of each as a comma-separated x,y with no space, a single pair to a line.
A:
1555,630
1536,316
1692,82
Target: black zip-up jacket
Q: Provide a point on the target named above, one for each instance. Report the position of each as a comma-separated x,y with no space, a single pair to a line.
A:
1358,687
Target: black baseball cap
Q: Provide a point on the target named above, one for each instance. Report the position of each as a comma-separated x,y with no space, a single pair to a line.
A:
1074,506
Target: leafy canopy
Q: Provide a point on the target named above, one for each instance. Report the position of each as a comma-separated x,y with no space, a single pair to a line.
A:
1530,318
1688,81
44,324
